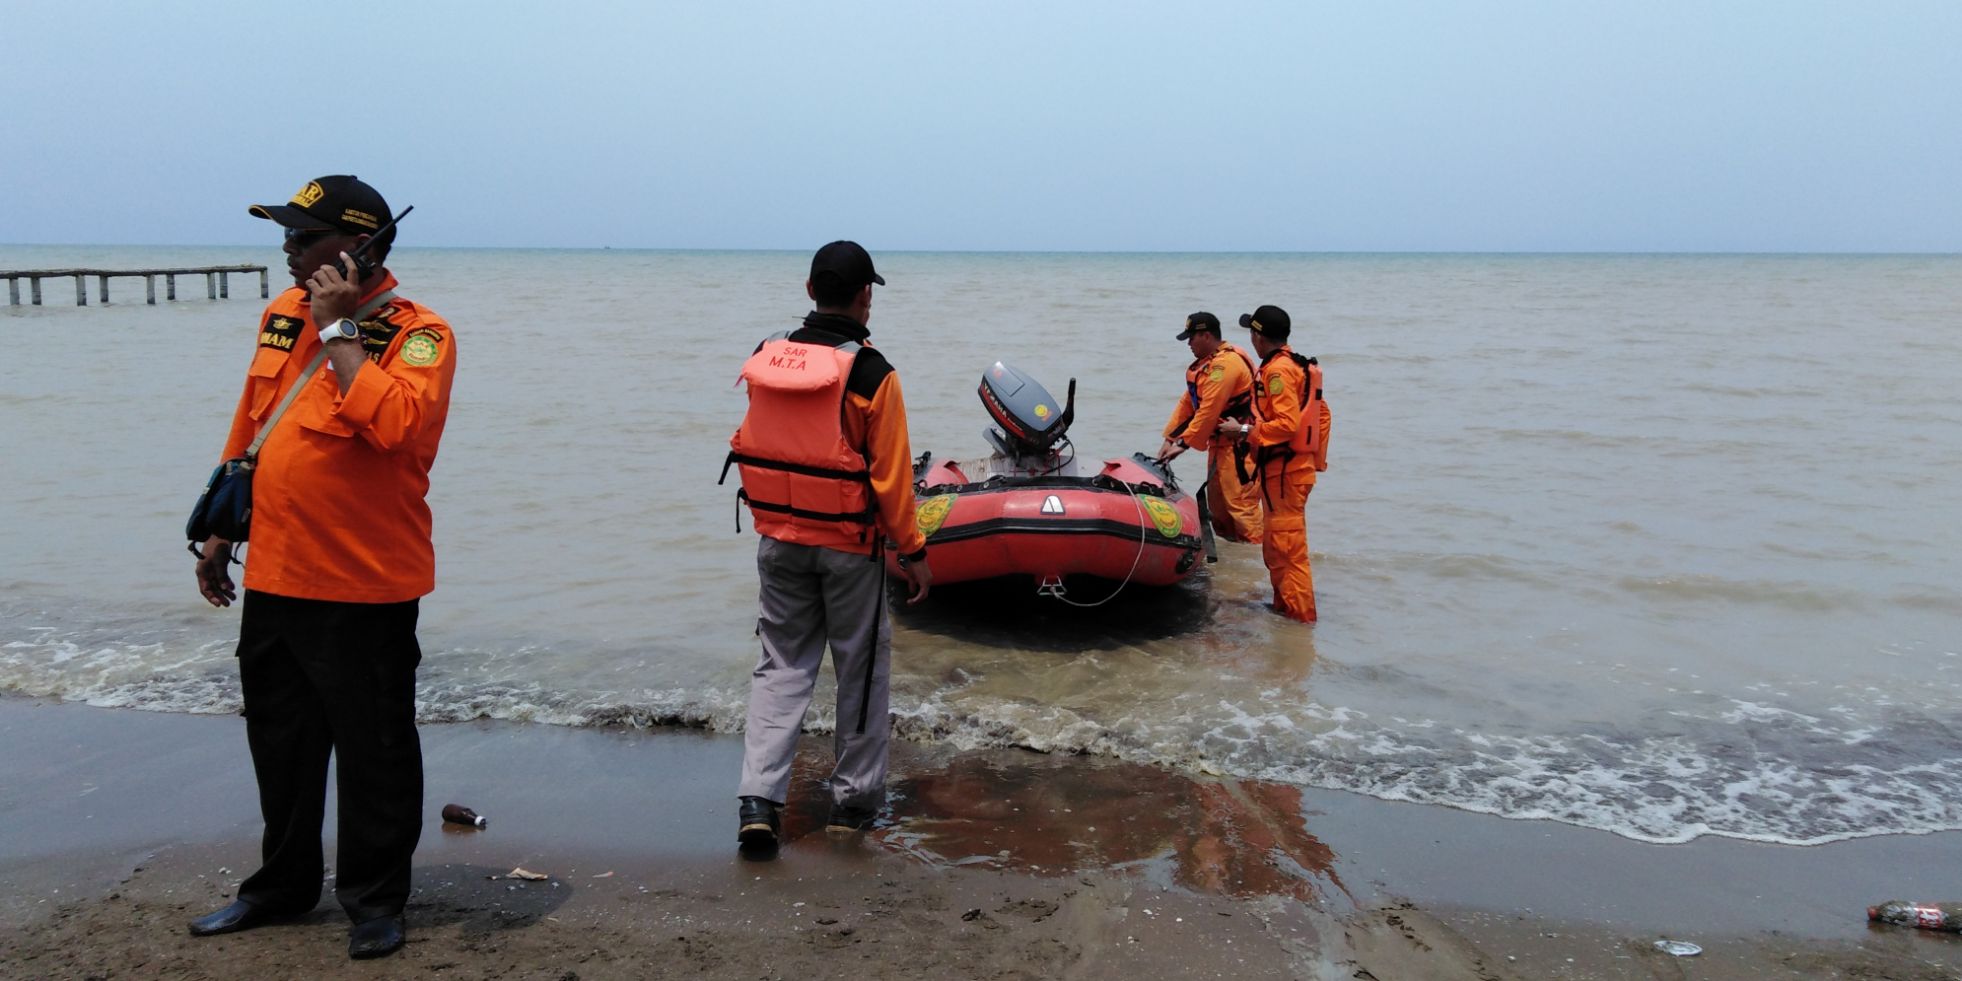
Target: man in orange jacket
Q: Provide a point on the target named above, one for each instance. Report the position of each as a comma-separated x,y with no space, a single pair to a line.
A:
827,472
1218,386
1289,441
340,556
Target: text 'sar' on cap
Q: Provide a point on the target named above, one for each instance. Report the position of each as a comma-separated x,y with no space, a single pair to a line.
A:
1198,323
1267,320
338,202
847,262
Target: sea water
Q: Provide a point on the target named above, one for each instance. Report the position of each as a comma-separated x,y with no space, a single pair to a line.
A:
1663,545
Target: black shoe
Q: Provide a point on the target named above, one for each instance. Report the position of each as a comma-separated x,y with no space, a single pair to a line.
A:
378,937
758,822
240,915
848,819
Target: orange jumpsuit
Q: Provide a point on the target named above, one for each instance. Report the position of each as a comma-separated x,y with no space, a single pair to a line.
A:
1220,387
1286,477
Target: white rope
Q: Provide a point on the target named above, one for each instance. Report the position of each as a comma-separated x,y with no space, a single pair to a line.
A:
1056,590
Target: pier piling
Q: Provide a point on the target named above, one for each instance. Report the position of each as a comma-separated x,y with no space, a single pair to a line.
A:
217,282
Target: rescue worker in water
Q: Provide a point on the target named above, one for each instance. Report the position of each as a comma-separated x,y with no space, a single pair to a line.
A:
1289,442
1218,386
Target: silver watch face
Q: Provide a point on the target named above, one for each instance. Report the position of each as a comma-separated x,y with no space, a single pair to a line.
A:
345,328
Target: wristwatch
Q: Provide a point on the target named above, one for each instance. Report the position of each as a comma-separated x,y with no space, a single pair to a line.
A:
340,330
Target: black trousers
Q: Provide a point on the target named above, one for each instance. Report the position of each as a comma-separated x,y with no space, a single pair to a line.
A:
319,678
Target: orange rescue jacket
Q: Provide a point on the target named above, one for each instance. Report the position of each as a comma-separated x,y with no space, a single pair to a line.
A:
338,509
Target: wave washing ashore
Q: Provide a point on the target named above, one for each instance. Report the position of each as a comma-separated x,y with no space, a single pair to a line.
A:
1658,545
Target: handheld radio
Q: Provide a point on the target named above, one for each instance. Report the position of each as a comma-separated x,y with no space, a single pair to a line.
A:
360,253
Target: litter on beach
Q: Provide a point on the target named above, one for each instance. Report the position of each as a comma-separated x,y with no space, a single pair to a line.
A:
521,873
1678,948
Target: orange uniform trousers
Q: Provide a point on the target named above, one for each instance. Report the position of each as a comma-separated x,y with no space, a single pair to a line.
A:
1234,504
1284,503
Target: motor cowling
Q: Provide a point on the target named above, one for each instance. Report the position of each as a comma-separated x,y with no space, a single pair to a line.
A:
1027,419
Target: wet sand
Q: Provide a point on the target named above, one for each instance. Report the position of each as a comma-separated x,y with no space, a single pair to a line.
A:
116,827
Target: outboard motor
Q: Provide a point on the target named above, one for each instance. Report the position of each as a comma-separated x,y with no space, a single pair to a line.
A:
1028,419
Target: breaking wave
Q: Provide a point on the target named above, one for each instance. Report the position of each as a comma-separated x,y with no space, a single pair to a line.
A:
1717,766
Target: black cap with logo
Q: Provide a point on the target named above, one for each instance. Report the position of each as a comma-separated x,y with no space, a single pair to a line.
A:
845,262
1268,321
340,202
1201,322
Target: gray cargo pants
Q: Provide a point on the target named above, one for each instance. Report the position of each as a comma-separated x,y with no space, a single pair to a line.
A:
812,597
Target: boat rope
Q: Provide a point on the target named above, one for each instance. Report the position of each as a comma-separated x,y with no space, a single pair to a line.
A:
1055,588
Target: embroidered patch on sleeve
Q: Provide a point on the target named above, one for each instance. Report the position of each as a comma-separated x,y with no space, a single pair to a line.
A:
280,332
422,349
1275,385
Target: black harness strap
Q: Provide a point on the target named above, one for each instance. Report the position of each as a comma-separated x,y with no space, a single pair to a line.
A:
864,517
1241,407
862,476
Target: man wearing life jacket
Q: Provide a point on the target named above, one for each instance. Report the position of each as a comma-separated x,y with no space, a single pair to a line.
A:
827,473
1289,441
1218,385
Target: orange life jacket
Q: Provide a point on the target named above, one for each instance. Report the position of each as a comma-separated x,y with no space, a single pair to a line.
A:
1241,406
1308,439
802,481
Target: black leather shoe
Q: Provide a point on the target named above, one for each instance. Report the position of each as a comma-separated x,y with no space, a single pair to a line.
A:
378,937
848,819
758,823
240,915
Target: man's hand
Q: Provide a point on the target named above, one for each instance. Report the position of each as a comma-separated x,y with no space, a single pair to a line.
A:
334,295
1167,450
215,574
1234,428
919,577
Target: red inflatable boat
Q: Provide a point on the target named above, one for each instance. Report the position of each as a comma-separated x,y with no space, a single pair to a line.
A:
1030,510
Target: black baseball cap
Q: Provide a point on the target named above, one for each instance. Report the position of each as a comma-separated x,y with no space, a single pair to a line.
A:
846,262
1201,321
340,202
1268,321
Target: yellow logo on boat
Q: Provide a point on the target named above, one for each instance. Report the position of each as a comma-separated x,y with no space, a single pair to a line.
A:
932,513
1041,411
1163,515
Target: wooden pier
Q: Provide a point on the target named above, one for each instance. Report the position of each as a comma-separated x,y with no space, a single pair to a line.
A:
217,282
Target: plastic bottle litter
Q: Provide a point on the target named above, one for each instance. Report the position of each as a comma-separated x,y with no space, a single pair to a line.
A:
459,814
1927,916
1678,948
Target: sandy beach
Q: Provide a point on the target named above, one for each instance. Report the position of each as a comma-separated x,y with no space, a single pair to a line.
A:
119,826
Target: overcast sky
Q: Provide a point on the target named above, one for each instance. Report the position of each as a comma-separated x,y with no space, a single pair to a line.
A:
1368,125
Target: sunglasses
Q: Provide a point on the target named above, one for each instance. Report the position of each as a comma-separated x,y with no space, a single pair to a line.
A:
301,238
